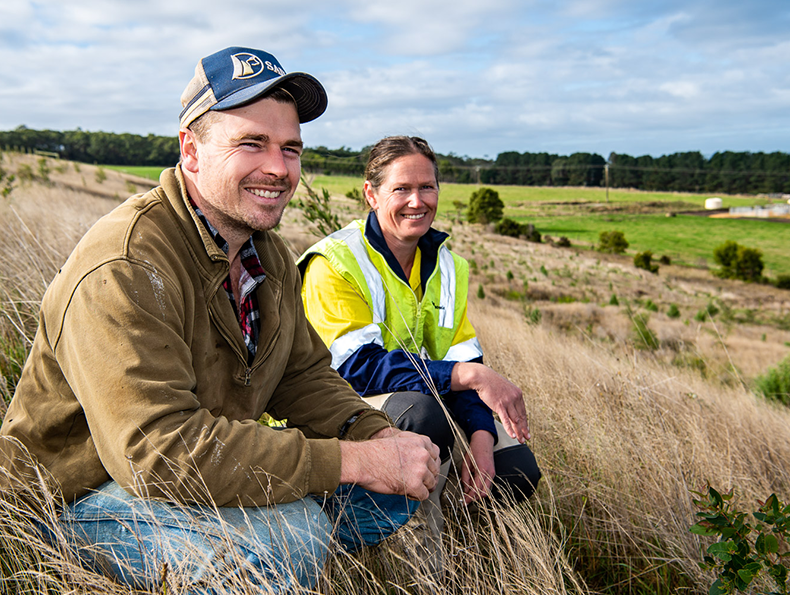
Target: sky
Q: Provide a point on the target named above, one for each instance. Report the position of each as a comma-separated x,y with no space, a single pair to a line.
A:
473,78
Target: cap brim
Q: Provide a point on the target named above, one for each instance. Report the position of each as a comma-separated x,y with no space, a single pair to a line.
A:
308,93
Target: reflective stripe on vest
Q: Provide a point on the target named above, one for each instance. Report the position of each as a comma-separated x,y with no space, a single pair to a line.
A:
343,347
464,352
353,239
356,244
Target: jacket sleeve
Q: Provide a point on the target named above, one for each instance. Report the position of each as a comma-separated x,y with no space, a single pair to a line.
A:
335,309
127,362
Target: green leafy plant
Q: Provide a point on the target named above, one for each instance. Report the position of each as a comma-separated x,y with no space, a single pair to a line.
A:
650,305
460,206
738,262
643,260
509,227
775,383
481,293
101,175
613,301
613,242
745,549
355,195
6,182
485,206
782,281
534,315
644,338
317,210
673,311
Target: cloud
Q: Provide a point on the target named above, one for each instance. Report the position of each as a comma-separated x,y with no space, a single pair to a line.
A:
586,75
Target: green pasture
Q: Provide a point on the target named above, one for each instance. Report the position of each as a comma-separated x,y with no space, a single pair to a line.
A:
686,239
144,171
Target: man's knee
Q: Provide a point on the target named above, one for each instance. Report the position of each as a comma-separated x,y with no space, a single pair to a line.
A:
517,473
422,414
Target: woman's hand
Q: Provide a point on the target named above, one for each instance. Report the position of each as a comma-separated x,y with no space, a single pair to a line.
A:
478,472
504,397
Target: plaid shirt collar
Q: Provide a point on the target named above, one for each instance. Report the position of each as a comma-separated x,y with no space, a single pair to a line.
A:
252,275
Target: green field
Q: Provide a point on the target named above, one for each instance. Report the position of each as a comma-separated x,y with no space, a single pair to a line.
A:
144,171
686,239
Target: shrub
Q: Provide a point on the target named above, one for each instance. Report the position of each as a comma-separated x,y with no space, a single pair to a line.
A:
644,338
481,293
650,305
665,260
532,234
485,206
775,383
25,173
708,311
613,301
613,242
355,195
534,315
643,260
6,182
744,550
317,210
543,270
509,275
672,311
509,227
563,242
738,262
782,282
101,175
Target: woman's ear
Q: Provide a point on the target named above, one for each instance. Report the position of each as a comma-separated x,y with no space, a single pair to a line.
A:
370,195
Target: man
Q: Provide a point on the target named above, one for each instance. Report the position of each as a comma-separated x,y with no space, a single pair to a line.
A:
173,326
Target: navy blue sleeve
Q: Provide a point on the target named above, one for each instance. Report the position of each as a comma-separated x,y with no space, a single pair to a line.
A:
372,370
471,413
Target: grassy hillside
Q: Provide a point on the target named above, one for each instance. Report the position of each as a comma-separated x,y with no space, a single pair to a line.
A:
622,427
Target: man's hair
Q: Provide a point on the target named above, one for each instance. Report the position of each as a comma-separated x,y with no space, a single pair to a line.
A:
201,127
388,149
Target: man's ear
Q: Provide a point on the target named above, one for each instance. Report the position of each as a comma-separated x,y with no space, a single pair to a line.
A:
189,150
367,189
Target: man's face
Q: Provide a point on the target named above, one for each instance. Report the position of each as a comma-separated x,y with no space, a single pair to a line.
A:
247,167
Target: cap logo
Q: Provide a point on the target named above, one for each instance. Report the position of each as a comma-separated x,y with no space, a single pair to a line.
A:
246,66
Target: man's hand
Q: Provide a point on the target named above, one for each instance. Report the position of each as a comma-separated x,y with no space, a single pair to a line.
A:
478,470
504,397
391,462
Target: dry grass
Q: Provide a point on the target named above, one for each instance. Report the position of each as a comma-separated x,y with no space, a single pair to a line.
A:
625,440
621,434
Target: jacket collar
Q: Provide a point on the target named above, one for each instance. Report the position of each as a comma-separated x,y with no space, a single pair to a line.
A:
428,244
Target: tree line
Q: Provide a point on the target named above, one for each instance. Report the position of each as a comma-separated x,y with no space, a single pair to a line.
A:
723,172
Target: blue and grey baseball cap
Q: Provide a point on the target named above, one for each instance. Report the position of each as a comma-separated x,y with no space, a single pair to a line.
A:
236,76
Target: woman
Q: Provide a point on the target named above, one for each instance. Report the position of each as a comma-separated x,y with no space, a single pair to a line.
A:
389,299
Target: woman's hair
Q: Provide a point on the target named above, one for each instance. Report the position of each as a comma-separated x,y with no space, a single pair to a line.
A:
391,148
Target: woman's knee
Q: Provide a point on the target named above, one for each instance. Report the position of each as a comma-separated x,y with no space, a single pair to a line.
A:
517,473
422,414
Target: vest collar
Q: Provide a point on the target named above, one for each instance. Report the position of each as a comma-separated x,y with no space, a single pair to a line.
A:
428,244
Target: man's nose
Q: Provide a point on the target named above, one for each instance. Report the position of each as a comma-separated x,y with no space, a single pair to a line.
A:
273,163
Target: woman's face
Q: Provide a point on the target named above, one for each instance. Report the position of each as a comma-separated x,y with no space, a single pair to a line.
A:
406,201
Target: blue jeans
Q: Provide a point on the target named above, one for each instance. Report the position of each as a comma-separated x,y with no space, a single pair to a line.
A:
199,549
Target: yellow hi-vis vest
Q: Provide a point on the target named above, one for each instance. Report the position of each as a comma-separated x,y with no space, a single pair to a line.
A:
400,321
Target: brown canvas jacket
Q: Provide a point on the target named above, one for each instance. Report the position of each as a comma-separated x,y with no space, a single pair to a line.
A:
138,371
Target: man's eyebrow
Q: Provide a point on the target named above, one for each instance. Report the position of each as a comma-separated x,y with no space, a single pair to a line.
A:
264,138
